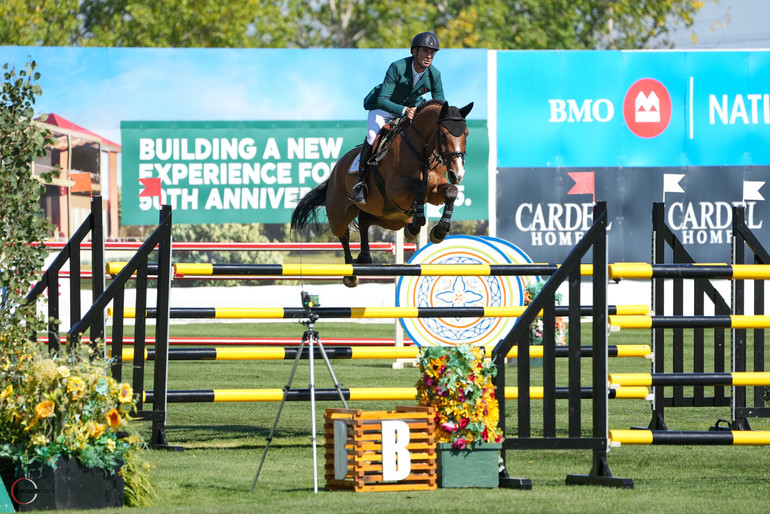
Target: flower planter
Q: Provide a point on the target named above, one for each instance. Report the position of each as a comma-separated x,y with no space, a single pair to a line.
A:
69,486
475,467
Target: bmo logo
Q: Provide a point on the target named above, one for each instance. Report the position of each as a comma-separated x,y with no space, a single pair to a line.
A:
647,108
585,111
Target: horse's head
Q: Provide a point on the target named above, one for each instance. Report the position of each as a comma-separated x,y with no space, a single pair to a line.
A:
451,133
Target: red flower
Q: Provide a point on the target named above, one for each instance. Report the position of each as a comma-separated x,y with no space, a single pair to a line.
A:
485,434
498,438
428,380
464,422
449,427
459,444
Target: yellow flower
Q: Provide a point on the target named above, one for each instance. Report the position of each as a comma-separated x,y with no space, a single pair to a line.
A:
76,387
39,439
94,429
111,444
44,409
44,370
125,394
113,418
8,391
63,371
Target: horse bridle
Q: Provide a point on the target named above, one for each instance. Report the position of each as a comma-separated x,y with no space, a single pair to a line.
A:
436,158
447,157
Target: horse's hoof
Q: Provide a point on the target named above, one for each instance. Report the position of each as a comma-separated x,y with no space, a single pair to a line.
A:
363,259
434,236
351,281
408,234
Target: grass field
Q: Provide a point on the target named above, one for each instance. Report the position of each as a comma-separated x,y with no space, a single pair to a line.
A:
223,444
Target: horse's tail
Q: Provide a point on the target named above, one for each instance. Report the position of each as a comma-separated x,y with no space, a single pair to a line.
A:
305,212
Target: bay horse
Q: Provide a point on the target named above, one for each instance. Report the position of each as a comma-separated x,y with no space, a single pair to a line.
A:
422,164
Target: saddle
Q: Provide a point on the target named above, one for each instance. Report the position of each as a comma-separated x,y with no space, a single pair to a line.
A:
384,138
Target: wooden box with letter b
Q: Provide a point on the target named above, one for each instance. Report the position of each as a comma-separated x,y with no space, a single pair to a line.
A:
380,450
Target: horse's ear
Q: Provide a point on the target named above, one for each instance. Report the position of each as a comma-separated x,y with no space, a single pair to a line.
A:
444,110
466,110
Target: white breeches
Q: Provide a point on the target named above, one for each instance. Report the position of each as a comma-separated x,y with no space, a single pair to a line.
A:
377,119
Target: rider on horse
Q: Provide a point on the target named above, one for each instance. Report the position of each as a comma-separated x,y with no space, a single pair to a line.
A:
406,81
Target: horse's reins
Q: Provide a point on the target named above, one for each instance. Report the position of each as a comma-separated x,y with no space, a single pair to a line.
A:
436,158
430,162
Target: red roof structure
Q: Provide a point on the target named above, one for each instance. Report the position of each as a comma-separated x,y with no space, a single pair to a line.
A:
59,121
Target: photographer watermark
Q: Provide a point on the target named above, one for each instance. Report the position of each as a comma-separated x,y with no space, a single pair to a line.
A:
24,491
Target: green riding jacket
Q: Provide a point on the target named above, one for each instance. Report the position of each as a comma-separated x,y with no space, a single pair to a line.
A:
397,92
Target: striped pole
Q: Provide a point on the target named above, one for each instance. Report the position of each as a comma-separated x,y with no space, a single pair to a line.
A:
643,270
358,394
738,378
363,312
200,246
620,270
720,321
259,341
673,437
326,270
349,352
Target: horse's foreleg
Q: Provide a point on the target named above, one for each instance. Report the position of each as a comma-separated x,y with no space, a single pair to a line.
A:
439,232
364,256
412,230
351,281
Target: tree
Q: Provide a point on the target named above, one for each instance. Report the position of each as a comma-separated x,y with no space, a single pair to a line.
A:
497,24
21,219
47,23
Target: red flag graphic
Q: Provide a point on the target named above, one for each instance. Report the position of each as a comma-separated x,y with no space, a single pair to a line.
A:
151,187
584,184
82,182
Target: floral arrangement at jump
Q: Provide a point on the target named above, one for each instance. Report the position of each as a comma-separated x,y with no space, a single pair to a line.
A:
536,328
68,406
457,382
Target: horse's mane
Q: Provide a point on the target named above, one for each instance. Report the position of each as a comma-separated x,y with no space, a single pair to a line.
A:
428,103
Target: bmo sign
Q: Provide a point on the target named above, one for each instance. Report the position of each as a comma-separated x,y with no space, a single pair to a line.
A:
646,109
586,111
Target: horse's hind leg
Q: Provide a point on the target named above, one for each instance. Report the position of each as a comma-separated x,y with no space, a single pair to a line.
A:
439,232
364,256
352,280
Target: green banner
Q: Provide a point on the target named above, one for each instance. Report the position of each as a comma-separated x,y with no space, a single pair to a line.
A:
253,172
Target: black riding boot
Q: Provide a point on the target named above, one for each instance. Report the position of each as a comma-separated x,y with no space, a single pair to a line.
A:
359,191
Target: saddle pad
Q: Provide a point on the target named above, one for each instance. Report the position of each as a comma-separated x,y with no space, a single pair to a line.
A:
355,165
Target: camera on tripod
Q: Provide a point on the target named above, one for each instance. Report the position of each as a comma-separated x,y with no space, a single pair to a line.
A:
309,300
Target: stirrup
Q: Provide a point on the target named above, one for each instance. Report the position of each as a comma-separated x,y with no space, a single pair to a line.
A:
358,193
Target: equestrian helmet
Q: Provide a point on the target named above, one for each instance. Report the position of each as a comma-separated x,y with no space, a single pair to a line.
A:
426,39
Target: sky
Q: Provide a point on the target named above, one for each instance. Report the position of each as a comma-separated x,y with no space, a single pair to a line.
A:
728,24
98,88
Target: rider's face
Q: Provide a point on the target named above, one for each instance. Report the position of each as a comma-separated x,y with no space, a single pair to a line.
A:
423,57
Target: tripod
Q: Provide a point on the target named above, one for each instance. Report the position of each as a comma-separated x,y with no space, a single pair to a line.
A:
309,338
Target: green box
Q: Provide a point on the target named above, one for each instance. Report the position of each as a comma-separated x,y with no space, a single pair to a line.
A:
477,467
